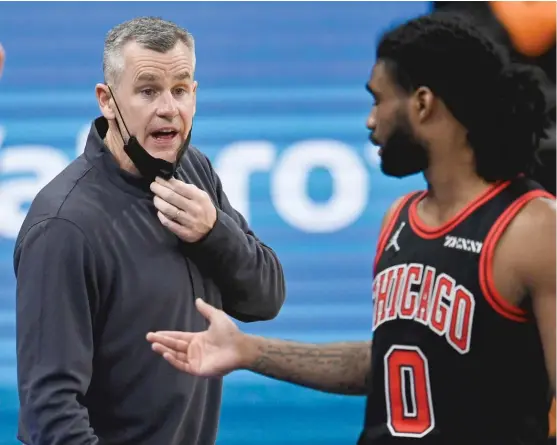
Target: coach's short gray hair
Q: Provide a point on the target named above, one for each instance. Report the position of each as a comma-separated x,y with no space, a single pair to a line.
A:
152,33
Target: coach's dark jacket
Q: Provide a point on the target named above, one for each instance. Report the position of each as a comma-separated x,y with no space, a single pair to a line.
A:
96,271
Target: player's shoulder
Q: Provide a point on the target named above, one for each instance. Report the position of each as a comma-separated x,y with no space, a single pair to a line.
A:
397,205
527,237
531,208
535,217
527,225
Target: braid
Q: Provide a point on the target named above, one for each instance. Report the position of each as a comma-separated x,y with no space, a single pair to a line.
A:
500,104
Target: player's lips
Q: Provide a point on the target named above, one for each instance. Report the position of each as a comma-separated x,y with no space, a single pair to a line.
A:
377,144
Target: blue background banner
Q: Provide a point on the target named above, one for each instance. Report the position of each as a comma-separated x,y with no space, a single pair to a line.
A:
281,113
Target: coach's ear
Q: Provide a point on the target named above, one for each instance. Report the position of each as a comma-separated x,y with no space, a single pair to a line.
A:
104,99
194,92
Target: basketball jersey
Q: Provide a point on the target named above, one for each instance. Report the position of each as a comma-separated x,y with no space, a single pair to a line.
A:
452,362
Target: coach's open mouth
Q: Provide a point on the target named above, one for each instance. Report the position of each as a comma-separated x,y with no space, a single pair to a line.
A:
164,134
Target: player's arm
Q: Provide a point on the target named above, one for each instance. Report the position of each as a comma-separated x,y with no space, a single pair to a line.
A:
341,368
537,268
56,279
531,240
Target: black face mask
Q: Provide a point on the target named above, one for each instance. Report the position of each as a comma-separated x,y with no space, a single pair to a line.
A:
147,165
402,154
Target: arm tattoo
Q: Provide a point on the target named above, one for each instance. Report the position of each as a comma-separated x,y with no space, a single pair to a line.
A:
342,368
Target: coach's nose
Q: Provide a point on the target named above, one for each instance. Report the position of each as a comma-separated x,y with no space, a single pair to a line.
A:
167,107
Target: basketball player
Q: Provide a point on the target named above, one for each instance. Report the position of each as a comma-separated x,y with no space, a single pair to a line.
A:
464,280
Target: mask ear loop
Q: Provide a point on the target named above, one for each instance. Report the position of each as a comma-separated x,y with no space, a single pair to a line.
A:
121,117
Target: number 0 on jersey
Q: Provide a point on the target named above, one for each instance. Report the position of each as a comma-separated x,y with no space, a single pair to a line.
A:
408,392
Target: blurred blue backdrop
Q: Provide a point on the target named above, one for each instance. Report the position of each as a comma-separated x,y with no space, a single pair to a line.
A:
281,113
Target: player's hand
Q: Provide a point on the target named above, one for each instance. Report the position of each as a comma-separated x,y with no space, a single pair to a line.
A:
211,353
184,209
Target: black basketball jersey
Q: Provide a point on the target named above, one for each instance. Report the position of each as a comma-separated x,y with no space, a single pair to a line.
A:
452,362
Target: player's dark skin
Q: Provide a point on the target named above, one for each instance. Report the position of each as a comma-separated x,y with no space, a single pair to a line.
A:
524,263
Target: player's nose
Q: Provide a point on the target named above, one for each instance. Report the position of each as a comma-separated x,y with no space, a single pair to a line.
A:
371,121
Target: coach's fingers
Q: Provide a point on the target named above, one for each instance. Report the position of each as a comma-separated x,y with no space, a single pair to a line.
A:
167,194
181,231
188,191
167,209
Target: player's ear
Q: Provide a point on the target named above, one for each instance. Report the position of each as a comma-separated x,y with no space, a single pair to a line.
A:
423,103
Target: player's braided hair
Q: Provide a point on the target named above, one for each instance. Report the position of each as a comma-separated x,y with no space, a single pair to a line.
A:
500,103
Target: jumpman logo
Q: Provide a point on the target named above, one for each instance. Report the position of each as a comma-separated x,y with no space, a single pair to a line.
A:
394,239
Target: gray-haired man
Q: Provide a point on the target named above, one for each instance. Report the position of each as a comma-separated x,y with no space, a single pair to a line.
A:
120,244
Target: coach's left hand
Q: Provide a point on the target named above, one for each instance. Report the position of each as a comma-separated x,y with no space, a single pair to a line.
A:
184,209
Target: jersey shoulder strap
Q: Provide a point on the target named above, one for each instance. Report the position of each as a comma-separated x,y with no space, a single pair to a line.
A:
519,194
400,213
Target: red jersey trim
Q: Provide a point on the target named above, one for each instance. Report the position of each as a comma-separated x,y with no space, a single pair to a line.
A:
487,283
429,233
388,228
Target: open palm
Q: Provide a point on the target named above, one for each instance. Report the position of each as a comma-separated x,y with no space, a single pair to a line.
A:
211,353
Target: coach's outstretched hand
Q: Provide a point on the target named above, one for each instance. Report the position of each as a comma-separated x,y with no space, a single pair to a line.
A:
214,352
